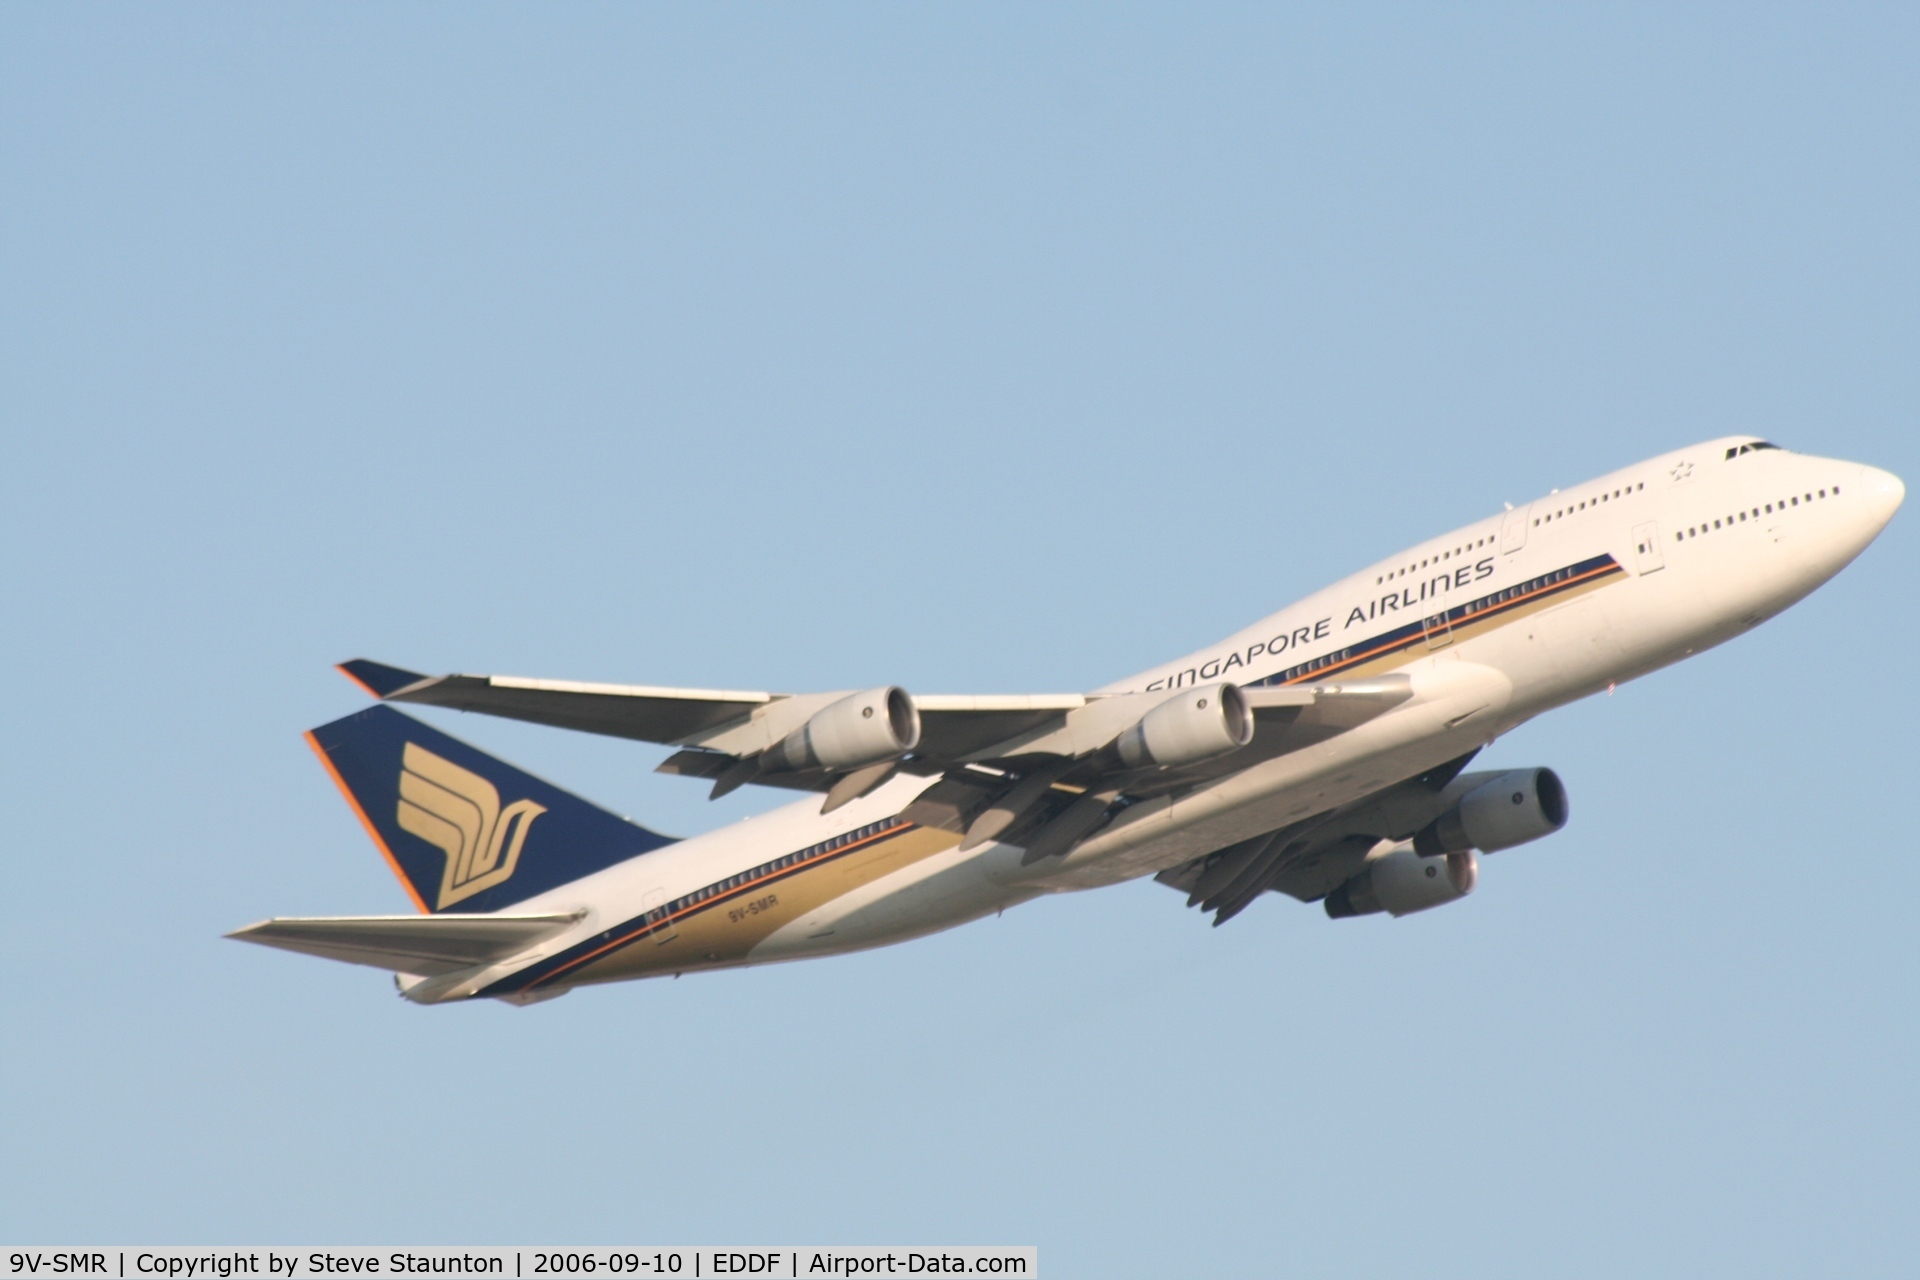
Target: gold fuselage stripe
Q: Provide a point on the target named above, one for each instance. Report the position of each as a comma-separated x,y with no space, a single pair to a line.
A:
708,898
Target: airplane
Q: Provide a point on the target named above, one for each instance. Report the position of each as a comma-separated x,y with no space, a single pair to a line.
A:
1321,753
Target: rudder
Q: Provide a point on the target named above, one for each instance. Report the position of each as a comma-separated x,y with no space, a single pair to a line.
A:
464,831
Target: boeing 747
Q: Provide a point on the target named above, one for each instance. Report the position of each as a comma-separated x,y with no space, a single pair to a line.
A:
1322,753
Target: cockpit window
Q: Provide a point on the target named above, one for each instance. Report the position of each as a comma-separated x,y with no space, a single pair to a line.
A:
1753,447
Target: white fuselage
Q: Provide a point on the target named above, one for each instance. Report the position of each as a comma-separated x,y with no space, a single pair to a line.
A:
1702,546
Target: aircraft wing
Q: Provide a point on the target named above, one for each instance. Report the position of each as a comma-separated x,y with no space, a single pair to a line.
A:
724,721
1007,764
620,710
422,945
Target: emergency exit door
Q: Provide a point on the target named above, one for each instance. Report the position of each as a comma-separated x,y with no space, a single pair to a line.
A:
1646,548
1513,530
660,922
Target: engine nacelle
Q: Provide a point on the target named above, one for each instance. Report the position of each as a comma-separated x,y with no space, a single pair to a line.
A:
1191,726
1511,809
1402,882
866,728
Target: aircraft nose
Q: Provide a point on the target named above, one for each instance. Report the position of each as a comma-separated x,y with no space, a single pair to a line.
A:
1882,493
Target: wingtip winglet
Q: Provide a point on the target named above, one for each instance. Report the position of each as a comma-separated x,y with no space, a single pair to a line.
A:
377,678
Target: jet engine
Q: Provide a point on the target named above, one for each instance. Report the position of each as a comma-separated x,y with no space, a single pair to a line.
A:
865,728
1191,726
1402,882
1511,809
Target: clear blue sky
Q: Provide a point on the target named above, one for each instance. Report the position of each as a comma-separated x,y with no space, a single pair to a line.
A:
981,349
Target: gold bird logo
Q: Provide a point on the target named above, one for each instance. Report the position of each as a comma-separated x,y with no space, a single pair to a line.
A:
459,811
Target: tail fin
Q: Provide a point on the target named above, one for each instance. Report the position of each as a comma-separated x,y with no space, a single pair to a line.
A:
462,830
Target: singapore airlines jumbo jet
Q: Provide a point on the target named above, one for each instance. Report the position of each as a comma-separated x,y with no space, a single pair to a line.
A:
1321,753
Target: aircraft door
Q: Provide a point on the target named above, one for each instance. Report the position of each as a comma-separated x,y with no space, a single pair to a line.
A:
664,930
1646,548
1439,629
1513,530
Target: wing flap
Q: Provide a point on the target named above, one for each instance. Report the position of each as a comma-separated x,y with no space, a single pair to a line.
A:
423,945
958,728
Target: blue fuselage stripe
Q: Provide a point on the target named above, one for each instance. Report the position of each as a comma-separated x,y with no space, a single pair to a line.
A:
1486,607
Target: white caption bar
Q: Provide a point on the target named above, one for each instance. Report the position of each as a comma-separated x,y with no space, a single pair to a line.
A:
509,1262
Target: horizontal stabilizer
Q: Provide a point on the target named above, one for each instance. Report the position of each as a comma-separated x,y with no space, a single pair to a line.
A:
423,945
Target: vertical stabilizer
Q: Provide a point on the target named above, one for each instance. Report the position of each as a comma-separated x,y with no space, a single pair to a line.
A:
463,831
